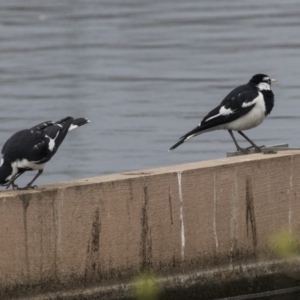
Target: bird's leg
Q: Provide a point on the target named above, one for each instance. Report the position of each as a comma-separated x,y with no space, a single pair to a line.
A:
14,186
245,151
29,185
258,149
12,181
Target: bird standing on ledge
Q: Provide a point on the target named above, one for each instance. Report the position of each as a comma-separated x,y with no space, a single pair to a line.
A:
30,149
243,108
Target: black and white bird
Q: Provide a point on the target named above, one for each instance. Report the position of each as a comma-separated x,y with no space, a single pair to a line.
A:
243,108
30,149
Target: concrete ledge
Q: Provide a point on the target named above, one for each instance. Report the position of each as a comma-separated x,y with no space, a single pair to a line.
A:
103,231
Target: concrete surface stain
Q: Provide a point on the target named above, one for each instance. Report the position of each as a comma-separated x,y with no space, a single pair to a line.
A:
290,197
250,214
54,222
26,201
170,205
53,195
59,208
181,214
145,255
233,221
128,202
215,214
41,226
93,249
96,228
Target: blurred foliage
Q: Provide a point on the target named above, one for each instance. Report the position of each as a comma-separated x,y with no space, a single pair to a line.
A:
284,245
146,287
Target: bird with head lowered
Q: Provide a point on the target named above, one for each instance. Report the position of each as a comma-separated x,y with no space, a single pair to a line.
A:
30,149
243,108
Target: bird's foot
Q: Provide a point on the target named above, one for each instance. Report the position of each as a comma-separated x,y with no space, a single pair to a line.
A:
243,150
7,185
31,186
12,184
15,186
27,187
257,149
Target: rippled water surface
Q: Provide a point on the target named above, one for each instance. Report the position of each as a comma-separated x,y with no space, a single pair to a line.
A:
144,73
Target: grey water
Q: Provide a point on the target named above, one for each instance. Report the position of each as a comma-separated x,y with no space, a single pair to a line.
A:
144,73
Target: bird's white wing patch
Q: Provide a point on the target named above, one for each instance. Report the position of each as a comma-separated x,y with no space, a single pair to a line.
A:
246,104
189,137
226,111
215,116
72,127
255,100
51,144
2,161
222,112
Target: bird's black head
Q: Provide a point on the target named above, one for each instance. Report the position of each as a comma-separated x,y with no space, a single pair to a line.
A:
261,79
4,173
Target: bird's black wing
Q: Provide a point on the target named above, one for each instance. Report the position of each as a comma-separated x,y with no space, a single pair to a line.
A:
60,127
57,133
42,126
23,133
235,105
27,143
79,122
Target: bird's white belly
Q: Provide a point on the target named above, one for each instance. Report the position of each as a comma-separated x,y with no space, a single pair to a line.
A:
248,121
25,164
252,119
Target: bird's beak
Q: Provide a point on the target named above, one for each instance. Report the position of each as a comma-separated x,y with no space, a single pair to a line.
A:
273,80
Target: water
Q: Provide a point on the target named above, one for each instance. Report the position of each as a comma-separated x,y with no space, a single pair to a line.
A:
144,73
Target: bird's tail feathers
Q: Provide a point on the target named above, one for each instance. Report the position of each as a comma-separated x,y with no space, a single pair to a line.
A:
78,122
187,136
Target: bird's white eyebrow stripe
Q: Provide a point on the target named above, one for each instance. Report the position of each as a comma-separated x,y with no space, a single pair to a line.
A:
222,112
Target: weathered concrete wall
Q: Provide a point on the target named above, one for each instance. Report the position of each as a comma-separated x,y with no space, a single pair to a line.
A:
184,218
